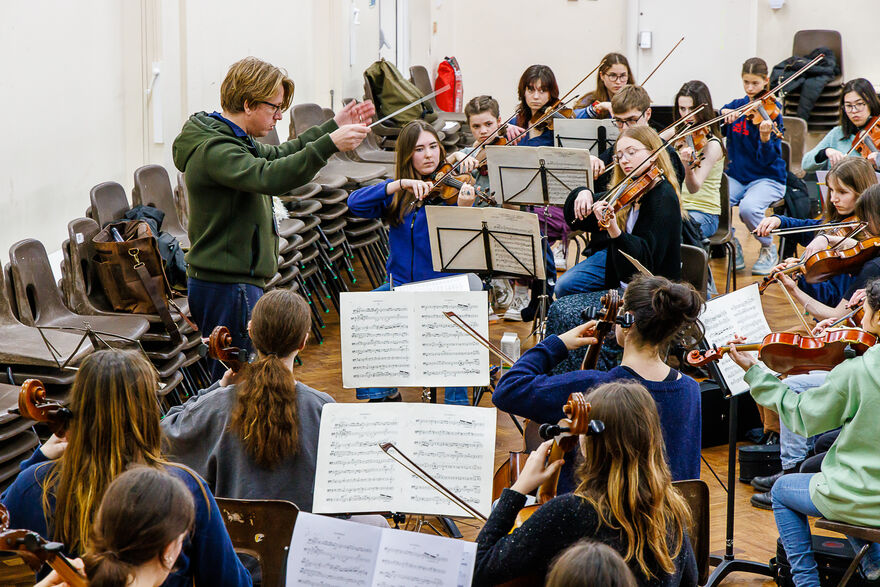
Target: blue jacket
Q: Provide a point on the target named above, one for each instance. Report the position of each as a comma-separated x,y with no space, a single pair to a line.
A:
801,238
410,256
529,390
749,158
207,557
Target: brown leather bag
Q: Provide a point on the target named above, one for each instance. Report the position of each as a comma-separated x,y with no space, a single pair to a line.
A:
130,269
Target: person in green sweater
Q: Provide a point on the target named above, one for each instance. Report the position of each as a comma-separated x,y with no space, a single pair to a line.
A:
846,488
859,105
230,181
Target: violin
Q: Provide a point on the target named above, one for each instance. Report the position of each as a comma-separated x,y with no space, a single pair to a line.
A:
790,354
605,319
547,124
768,109
824,264
865,142
37,551
696,141
631,193
34,405
220,348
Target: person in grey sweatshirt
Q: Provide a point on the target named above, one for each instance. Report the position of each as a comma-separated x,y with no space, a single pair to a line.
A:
254,434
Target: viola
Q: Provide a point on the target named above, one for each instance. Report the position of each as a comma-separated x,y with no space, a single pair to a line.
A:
790,353
631,193
768,109
219,347
37,551
824,264
865,142
34,405
605,318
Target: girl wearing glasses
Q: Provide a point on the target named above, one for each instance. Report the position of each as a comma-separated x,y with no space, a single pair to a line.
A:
649,230
859,104
614,73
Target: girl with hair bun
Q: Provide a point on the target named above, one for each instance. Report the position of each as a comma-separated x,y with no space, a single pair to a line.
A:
661,309
255,436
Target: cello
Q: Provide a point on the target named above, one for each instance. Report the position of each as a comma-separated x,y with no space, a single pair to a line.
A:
34,405
606,317
219,347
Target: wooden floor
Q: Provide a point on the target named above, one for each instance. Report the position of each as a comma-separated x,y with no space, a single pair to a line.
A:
755,531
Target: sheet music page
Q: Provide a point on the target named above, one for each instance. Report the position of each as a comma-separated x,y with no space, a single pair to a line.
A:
454,444
583,133
738,312
411,558
457,243
331,552
515,179
402,339
468,562
453,283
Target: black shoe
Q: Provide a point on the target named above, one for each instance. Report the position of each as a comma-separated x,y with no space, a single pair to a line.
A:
388,398
762,501
765,484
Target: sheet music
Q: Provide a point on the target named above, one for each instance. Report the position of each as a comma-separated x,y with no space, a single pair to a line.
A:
341,553
583,133
402,339
738,312
513,173
454,444
458,245
453,283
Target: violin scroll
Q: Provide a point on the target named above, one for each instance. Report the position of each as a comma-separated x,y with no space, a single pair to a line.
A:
33,405
698,358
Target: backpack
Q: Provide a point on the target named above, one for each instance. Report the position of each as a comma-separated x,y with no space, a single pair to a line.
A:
449,74
392,91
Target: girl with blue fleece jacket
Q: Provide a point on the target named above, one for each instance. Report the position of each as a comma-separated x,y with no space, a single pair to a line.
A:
401,203
859,105
756,171
660,309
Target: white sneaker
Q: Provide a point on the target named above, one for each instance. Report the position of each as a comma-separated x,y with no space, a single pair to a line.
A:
559,256
521,297
767,260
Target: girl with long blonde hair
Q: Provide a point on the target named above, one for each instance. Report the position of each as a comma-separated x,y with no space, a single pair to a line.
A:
115,424
624,498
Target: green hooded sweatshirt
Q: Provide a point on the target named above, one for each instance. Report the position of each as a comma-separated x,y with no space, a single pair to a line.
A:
230,180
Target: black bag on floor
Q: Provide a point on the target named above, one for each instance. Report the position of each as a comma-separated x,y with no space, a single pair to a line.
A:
833,556
758,460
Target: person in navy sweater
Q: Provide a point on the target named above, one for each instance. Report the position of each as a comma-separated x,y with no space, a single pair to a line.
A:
399,202
115,424
661,309
756,170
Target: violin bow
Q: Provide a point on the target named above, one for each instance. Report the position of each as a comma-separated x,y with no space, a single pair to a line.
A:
817,227
864,135
592,71
796,310
840,321
653,71
458,321
410,105
419,472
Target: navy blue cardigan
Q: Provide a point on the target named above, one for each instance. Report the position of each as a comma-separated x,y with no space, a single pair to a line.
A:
529,390
207,557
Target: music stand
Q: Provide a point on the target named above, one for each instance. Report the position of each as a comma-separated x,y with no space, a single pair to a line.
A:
538,176
595,135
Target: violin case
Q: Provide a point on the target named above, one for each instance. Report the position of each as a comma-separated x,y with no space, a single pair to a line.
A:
758,460
833,556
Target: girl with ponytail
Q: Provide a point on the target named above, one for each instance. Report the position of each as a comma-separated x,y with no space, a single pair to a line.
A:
661,310
255,435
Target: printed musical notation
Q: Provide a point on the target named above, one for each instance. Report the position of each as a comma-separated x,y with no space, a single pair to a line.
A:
339,553
454,444
515,175
402,339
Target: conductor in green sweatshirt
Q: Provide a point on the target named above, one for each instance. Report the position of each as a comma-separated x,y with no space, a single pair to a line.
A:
847,488
230,180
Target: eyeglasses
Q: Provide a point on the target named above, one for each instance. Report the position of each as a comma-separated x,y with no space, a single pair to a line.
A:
857,107
616,77
277,107
623,123
628,154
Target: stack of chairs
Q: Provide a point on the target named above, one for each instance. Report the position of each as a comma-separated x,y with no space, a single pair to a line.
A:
17,436
152,187
826,113
456,129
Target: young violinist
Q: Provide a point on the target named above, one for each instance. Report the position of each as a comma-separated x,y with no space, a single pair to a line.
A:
115,425
661,310
842,489
859,105
703,167
624,498
614,73
846,180
400,202
590,564
254,435
648,230
756,170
